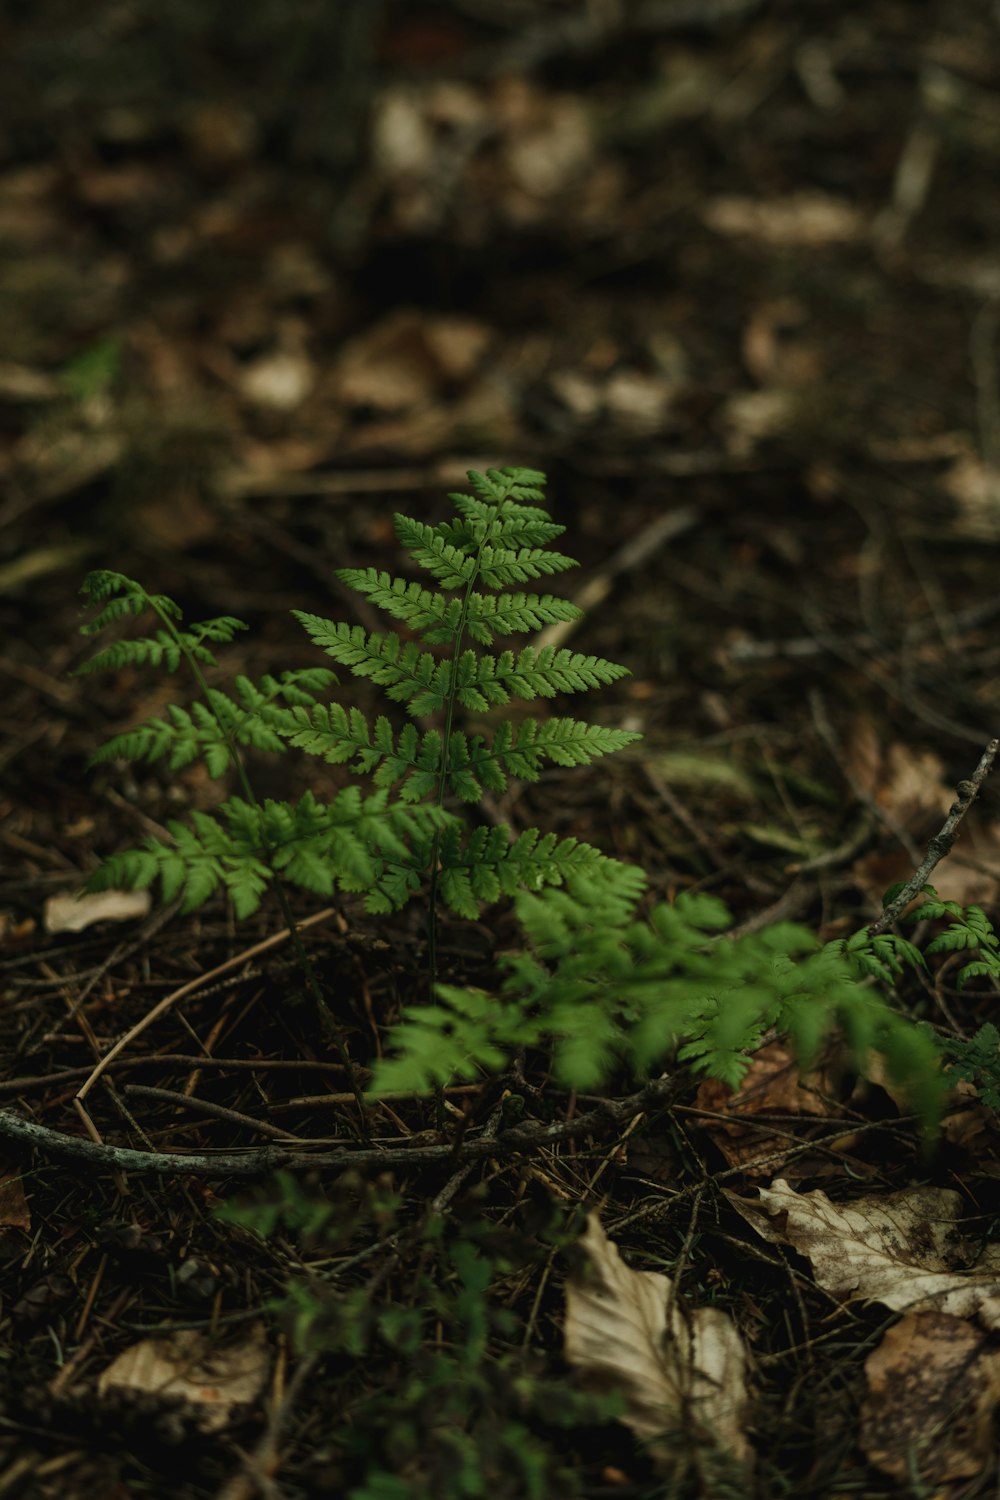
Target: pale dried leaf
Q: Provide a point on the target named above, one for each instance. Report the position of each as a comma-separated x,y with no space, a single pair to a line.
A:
686,1376
638,400
933,1384
811,219
548,152
975,487
73,911
22,571
898,1249
281,380
188,1366
775,348
402,138
863,755
750,417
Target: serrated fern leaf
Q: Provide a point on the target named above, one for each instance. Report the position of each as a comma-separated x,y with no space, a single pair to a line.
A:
525,528
160,650
499,567
452,566
486,864
434,615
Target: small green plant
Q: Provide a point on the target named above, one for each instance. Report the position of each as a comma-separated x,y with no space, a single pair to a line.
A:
458,1408
386,846
974,1059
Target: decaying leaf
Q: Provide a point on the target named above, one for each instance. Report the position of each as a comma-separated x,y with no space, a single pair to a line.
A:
911,787
188,1366
682,1376
14,1210
772,1085
73,911
933,1383
900,1249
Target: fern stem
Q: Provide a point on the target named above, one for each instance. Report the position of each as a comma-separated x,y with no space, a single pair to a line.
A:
330,1023
456,651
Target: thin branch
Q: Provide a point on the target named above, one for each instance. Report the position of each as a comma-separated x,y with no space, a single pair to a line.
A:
940,844
263,1160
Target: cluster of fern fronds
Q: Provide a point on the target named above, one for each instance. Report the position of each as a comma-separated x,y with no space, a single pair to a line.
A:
601,987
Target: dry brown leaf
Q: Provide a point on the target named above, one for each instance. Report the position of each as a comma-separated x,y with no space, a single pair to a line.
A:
549,141
933,1384
638,400
686,1376
773,1084
187,1366
910,785
898,1249
14,1210
913,784
457,345
775,350
73,911
862,756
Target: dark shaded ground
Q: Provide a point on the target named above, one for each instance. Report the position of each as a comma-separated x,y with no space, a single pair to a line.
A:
734,265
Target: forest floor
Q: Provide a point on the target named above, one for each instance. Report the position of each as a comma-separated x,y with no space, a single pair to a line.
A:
729,275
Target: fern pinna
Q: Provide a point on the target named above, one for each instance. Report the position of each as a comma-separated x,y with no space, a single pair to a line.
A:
387,843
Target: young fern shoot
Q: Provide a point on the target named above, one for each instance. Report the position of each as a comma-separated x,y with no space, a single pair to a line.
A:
499,540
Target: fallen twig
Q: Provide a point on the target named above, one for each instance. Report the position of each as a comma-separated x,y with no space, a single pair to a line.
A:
940,844
261,1161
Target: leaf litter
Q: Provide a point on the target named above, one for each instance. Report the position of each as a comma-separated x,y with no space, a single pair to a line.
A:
682,1373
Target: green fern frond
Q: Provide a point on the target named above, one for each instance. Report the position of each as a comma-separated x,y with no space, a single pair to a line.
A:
161,650
438,618
424,683
485,864
466,1034
604,989
490,615
499,567
210,729
517,484
122,595
435,616
525,528
318,847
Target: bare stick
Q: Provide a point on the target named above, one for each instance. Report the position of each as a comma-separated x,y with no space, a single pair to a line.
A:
941,843
262,1160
